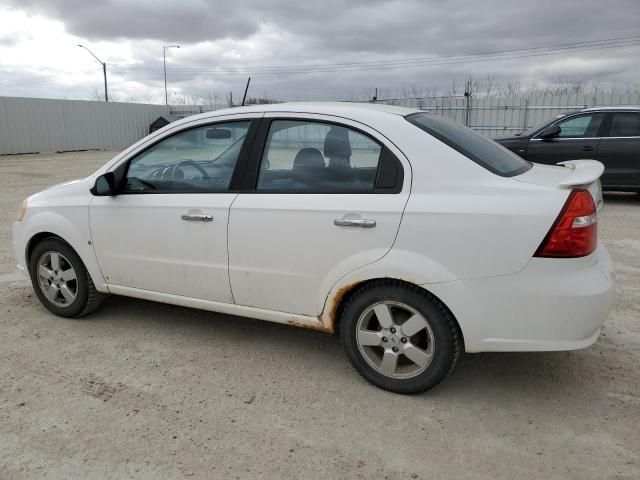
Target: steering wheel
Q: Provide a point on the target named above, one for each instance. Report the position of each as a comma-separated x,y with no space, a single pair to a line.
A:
175,176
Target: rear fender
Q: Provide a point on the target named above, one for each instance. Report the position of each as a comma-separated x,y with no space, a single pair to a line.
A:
397,264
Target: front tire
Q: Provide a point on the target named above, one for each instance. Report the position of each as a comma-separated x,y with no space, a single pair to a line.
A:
61,281
399,337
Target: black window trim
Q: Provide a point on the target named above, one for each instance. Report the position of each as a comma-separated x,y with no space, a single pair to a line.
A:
250,181
122,169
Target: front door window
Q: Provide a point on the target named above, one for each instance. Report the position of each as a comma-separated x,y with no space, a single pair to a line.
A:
199,159
581,126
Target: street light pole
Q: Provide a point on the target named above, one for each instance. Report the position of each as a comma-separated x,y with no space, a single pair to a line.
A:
164,67
104,72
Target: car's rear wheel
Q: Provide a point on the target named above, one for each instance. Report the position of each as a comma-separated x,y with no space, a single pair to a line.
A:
61,281
399,337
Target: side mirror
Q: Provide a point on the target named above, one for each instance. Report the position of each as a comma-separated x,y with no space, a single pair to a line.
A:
550,132
105,185
218,133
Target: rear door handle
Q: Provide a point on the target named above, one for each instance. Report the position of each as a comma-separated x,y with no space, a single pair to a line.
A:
355,222
587,148
198,217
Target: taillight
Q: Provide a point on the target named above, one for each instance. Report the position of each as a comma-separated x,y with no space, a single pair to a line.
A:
575,231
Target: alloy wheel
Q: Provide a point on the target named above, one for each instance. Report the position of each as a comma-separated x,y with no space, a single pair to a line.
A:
395,340
57,279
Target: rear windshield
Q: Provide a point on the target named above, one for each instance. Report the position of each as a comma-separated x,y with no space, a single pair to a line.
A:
483,151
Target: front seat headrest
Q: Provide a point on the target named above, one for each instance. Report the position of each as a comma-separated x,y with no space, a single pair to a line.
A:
308,158
336,143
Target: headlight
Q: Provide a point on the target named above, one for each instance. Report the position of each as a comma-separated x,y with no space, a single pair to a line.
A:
22,211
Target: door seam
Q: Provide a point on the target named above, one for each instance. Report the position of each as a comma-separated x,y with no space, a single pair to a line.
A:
93,246
233,298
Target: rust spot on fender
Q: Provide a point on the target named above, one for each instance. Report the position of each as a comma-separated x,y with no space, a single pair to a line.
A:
332,306
319,328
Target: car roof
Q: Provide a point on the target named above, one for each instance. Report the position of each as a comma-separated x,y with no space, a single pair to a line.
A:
621,108
352,110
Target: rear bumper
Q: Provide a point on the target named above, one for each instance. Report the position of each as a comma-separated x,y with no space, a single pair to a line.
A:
552,304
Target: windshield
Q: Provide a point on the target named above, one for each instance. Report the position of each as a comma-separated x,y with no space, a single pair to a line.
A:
483,151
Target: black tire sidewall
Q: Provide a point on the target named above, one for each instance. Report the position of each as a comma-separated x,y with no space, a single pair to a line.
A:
445,354
55,245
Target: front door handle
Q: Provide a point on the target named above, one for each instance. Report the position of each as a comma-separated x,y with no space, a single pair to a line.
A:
355,222
198,217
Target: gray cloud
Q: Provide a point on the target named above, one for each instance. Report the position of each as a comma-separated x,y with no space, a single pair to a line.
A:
356,25
291,32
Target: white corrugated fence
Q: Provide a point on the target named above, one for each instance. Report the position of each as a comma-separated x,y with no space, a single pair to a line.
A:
30,125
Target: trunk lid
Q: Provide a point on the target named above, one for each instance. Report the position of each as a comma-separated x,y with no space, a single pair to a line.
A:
568,175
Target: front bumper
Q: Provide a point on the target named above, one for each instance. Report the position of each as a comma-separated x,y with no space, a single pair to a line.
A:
552,304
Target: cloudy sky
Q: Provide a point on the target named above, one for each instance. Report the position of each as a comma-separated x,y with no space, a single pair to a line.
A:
293,49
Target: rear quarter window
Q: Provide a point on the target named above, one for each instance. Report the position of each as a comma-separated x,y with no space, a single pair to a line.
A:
481,150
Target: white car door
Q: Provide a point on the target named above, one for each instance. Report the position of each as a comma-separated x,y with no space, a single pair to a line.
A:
166,231
328,198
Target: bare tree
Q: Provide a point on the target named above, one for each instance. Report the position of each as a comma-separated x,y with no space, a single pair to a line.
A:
183,99
508,87
490,84
213,99
370,93
453,90
97,95
431,92
513,87
147,98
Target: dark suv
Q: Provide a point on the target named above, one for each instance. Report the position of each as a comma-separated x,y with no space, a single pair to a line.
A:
610,135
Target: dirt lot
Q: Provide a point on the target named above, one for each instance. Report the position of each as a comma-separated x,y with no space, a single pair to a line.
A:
143,390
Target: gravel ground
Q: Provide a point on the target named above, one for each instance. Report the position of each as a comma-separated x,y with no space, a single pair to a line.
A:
144,390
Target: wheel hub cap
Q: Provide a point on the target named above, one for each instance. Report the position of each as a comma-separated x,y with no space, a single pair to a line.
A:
395,339
57,279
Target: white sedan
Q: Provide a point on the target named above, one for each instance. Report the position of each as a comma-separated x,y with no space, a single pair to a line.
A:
410,236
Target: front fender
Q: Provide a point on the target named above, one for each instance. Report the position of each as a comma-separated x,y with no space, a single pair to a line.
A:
72,225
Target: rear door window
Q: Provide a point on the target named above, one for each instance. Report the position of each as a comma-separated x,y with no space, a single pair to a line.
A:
307,156
625,124
483,151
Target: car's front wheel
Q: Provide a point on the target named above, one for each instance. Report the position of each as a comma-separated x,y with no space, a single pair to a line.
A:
61,281
399,337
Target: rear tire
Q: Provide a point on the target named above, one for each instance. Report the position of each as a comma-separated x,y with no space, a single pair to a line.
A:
399,337
61,281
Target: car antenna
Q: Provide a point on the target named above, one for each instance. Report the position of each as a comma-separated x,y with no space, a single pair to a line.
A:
245,91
